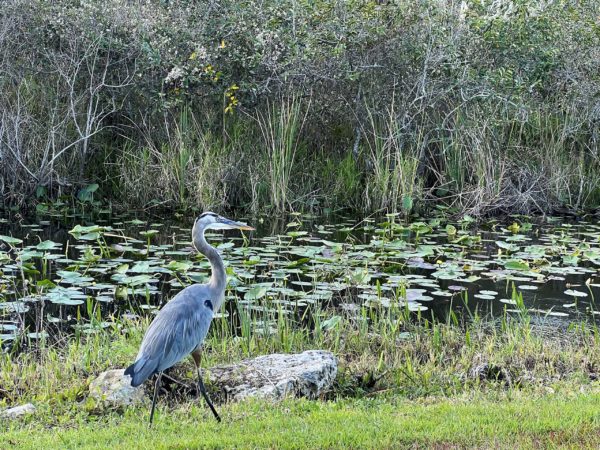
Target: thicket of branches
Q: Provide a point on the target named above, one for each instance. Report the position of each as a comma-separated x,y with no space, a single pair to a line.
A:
489,105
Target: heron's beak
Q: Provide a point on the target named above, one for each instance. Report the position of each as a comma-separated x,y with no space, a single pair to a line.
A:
228,223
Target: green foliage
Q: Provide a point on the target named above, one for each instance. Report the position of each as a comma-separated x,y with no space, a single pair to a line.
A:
488,105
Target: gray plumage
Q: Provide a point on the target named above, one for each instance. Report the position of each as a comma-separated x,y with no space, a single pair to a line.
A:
182,324
177,331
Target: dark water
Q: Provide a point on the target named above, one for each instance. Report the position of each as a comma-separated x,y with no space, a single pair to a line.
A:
57,281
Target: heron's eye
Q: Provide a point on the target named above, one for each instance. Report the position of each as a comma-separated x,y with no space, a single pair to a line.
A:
208,304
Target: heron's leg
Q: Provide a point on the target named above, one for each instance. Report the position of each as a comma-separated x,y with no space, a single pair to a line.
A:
206,397
156,389
196,356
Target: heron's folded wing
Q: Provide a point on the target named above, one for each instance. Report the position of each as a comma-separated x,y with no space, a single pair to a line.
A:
175,332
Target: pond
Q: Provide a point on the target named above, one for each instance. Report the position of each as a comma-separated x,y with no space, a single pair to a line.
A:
73,274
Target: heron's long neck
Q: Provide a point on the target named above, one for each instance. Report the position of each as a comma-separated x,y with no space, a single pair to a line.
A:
218,279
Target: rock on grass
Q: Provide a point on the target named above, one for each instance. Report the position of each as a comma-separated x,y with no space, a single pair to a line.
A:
308,374
17,411
114,387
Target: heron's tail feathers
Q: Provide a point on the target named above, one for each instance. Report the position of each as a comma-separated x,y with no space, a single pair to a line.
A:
140,371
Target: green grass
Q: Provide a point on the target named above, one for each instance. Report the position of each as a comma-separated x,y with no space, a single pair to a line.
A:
551,421
401,382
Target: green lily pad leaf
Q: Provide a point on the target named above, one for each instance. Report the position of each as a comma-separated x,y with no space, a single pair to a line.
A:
131,281
297,233
528,287
570,260
515,264
359,276
87,193
420,227
298,263
64,296
467,219
142,267
255,293
10,240
27,254
179,266
252,260
492,293
574,293
47,245
122,268
45,284
90,233
507,246
514,228
73,277
448,273
331,323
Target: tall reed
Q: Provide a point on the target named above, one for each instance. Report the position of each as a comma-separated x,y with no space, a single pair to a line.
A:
281,127
392,162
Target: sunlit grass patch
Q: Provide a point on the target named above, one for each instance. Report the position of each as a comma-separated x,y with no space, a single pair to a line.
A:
520,421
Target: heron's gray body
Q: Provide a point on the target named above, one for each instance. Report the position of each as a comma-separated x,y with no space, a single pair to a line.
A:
181,325
177,331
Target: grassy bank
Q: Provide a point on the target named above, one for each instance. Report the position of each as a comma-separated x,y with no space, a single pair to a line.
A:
487,107
401,383
520,421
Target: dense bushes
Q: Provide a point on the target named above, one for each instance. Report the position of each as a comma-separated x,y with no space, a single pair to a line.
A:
491,106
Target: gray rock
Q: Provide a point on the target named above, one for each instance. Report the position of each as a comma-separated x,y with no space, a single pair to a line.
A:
114,387
308,374
18,411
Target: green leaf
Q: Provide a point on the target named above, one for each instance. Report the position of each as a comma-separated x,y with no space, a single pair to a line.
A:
507,246
298,263
330,323
91,233
47,245
516,264
45,284
10,240
255,293
87,193
407,203
297,233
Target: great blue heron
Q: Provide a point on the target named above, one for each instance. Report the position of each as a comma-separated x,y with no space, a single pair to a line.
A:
181,326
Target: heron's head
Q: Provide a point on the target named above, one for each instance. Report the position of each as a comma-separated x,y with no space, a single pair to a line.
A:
211,221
